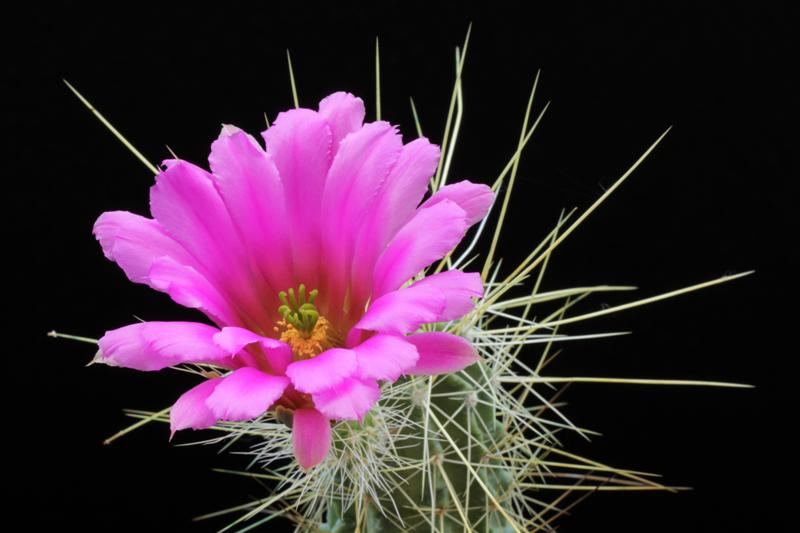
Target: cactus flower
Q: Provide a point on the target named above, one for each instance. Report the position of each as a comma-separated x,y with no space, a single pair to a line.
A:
300,254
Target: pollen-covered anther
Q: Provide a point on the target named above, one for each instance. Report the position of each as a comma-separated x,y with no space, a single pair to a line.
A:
305,346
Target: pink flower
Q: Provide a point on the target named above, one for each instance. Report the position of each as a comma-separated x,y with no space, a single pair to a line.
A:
331,204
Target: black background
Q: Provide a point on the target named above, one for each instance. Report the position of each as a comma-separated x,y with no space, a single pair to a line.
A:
714,198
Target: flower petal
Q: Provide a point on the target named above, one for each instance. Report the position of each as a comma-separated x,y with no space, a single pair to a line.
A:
441,353
394,205
278,354
361,165
385,357
134,242
147,254
157,345
344,114
437,298
299,143
404,188
244,394
185,201
428,236
474,198
191,411
458,288
350,400
311,436
250,186
186,286
234,339
404,310
322,372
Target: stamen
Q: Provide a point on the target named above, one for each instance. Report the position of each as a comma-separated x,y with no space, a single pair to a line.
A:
303,328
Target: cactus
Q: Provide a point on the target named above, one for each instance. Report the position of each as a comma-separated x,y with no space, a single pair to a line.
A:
470,451
445,493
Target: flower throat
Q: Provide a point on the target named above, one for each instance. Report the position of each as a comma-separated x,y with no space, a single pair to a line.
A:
303,328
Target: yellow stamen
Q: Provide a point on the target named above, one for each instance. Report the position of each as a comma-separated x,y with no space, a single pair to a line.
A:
307,345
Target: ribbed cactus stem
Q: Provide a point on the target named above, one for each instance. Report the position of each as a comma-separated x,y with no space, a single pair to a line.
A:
449,491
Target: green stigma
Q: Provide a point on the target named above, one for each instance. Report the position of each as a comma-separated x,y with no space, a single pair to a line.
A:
298,310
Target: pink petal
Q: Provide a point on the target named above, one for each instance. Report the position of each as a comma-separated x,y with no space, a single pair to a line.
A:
157,345
344,114
474,198
355,177
186,286
404,188
190,411
437,298
350,400
233,340
246,393
385,357
428,236
394,205
404,310
322,372
185,201
248,182
311,437
147,254
134,242
401,192
458,288
300,144
441,353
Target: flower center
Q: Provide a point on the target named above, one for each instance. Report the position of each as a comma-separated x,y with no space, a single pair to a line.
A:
299,311
302,327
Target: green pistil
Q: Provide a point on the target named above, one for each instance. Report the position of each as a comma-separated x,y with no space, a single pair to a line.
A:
299,311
